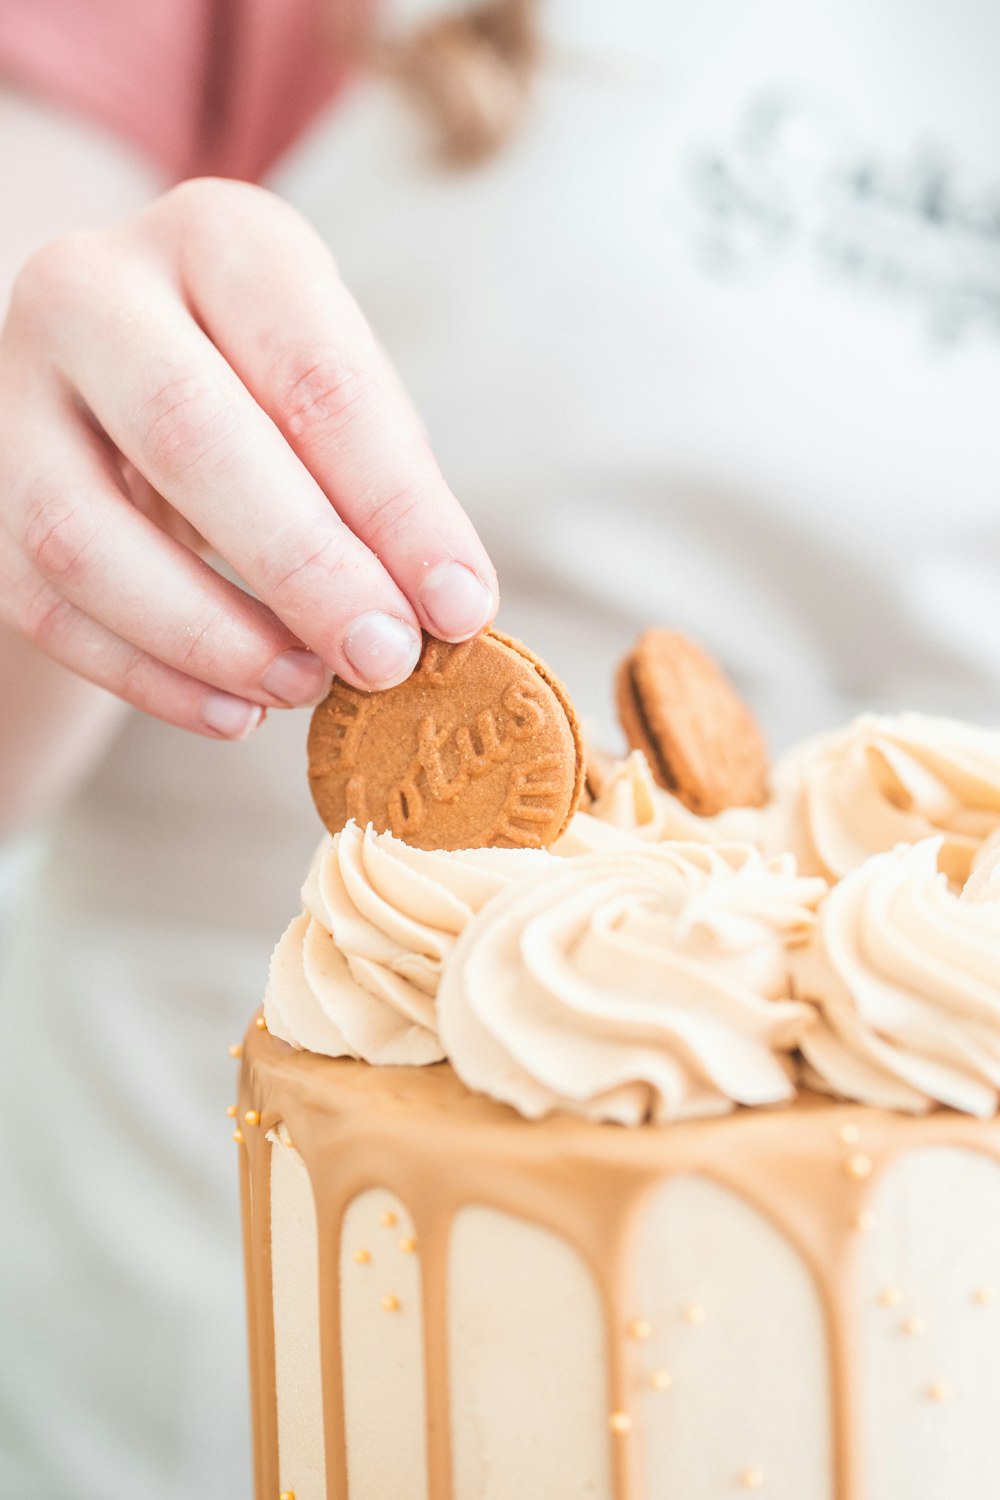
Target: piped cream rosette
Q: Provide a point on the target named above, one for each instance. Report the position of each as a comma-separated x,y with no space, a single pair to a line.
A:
631,807
905,975
357,973
633,985
886,780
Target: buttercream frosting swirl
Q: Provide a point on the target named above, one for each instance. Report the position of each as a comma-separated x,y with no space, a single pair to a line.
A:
886,780
632,808
905,975
356,974
642,984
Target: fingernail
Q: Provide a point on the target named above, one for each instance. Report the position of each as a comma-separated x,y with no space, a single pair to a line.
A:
232,718
457,603
381,649
295,677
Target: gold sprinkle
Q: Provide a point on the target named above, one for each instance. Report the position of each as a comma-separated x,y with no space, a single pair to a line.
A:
232,1111
620,1423
390,1303
363,1257
252,1117
238,1136
913,1327
752,1479
287,1495
236,1050
983,1296
850,1134
260,1023
858,1165
388,1219
863,1221
408,1244
939,1391
694,1314
640,1329
661,1380
890,1296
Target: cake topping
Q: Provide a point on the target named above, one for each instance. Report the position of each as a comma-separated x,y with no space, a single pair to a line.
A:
983,883
888,780
700,738
632,808
479,747
639,985
356,974
906,978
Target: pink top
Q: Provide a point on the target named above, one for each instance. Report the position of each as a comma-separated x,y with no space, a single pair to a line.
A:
219,86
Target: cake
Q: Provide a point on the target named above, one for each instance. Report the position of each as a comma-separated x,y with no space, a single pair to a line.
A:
663,1162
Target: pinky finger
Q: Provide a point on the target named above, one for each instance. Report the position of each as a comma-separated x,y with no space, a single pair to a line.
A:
72,638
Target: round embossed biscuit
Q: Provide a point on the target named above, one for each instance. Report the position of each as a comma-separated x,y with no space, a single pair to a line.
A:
479,747
701,740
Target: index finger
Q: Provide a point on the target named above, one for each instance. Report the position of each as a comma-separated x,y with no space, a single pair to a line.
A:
265,288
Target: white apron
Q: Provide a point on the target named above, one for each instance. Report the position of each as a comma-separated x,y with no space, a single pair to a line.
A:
716,343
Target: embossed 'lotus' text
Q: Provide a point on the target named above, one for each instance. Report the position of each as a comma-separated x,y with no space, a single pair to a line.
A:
450,756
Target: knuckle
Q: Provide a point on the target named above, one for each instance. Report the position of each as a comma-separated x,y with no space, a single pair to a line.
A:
57,534
390,517
197,196
184,423
200,649
207,211
136,677
55,277
44,616
292,558
320,392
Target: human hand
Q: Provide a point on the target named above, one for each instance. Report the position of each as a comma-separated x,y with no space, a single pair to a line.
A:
198,374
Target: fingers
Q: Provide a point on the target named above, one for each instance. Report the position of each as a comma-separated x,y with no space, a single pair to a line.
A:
247,419
67,635
80,533
265,288
174,407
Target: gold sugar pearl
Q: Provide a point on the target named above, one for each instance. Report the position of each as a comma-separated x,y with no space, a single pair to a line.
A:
661,1380
260,1023
752,1479
983,1296
858,1165
363,1257
232,1111
252,1117
390,1303
238,1136
939,1391
620,1423
890,1296
388,1220
640,1329
287,1495
408,1244
863,1221
694,1314
913,1327
850,1134
236,1050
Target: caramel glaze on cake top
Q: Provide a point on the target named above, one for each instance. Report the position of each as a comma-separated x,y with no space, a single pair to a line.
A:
811,1169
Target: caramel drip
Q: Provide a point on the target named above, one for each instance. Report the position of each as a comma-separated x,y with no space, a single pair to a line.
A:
255,1191
418,1133
329,1222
